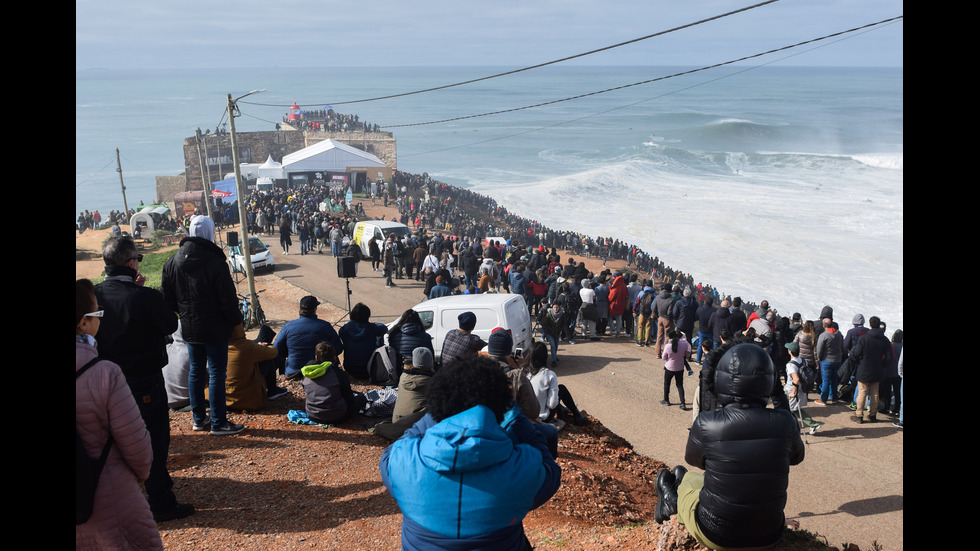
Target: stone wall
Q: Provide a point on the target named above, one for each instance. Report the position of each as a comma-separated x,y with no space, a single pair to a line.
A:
255,147
168,187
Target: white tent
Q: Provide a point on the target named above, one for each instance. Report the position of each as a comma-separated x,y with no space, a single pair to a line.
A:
271,169
331,156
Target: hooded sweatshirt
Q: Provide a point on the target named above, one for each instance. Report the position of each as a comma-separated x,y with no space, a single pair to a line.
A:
467,482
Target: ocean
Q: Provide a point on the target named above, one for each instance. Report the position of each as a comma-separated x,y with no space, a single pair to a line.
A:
777,183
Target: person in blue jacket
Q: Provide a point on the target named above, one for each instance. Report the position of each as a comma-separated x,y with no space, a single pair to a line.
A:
467,473
297,340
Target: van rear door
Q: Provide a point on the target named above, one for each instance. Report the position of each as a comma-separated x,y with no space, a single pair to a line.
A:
518,321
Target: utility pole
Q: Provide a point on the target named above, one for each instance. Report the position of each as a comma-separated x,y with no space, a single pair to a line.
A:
243,212
121,184
205,184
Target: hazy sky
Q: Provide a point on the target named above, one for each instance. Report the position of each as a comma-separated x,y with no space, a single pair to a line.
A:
122,34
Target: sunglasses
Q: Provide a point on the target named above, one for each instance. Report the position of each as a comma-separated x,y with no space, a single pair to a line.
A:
96,314
137,258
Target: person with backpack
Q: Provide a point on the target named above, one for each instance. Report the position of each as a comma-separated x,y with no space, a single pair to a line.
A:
644,311
112,513
799,377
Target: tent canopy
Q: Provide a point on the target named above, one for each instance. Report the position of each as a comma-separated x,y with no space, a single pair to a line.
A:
329,155
271,169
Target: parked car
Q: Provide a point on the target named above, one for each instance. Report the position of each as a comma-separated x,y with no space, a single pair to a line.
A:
492,310
261,256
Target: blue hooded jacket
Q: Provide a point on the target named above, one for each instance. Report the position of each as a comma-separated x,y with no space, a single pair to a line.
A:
468,482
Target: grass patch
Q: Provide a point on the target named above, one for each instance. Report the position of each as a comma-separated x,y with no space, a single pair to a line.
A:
151,268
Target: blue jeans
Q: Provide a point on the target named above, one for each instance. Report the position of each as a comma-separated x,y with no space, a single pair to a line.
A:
335,248
616,324
828,372
209,362
553,344
901,408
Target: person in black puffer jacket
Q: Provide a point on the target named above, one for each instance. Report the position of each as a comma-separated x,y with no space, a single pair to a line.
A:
745,450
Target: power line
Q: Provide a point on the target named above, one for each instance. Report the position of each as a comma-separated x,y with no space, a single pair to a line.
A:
683,73
539,65
403,156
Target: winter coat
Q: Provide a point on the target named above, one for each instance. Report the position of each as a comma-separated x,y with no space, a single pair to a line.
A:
360,341
104,405
245,387
411,392
830,346
197,284
326,393
409,337
663,306
136,324
297,341
685,312
467,482
618,296
805,340
602,301
746,450
872,355
720,321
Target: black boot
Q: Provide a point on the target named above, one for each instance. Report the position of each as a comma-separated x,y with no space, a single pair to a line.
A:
666,496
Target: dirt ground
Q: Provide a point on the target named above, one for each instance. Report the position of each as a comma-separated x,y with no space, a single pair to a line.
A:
280,485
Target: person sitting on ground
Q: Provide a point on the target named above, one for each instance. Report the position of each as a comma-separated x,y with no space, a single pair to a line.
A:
550,394
407,334
329,397
461,344
361,338
176,371
745,449
410,405
298,338
470,470
500,346
245,386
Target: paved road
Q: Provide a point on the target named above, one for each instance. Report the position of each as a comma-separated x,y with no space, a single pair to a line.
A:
848,489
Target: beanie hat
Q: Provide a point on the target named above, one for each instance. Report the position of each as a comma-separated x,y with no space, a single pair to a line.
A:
422,357
858,320
500,343
467,321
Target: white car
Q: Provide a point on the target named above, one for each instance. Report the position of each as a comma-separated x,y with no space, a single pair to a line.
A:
261,256
492,310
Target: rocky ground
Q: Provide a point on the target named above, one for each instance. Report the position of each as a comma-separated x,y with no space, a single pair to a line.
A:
284,486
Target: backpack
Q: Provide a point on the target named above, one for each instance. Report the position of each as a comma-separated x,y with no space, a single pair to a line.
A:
318,232
87,470
808,375
381,367
646,304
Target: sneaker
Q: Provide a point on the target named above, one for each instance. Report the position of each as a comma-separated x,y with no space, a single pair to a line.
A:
182,510
819,402
206,425
898,424
664,402
227,429
277,392
558,424
813,430
571,341
852,407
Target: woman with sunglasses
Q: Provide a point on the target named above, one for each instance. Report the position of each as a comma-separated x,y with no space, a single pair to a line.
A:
106,417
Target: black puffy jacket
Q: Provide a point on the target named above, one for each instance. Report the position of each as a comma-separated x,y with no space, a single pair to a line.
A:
745,450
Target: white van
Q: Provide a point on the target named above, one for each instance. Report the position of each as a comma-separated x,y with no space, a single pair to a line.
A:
364,231
492,310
